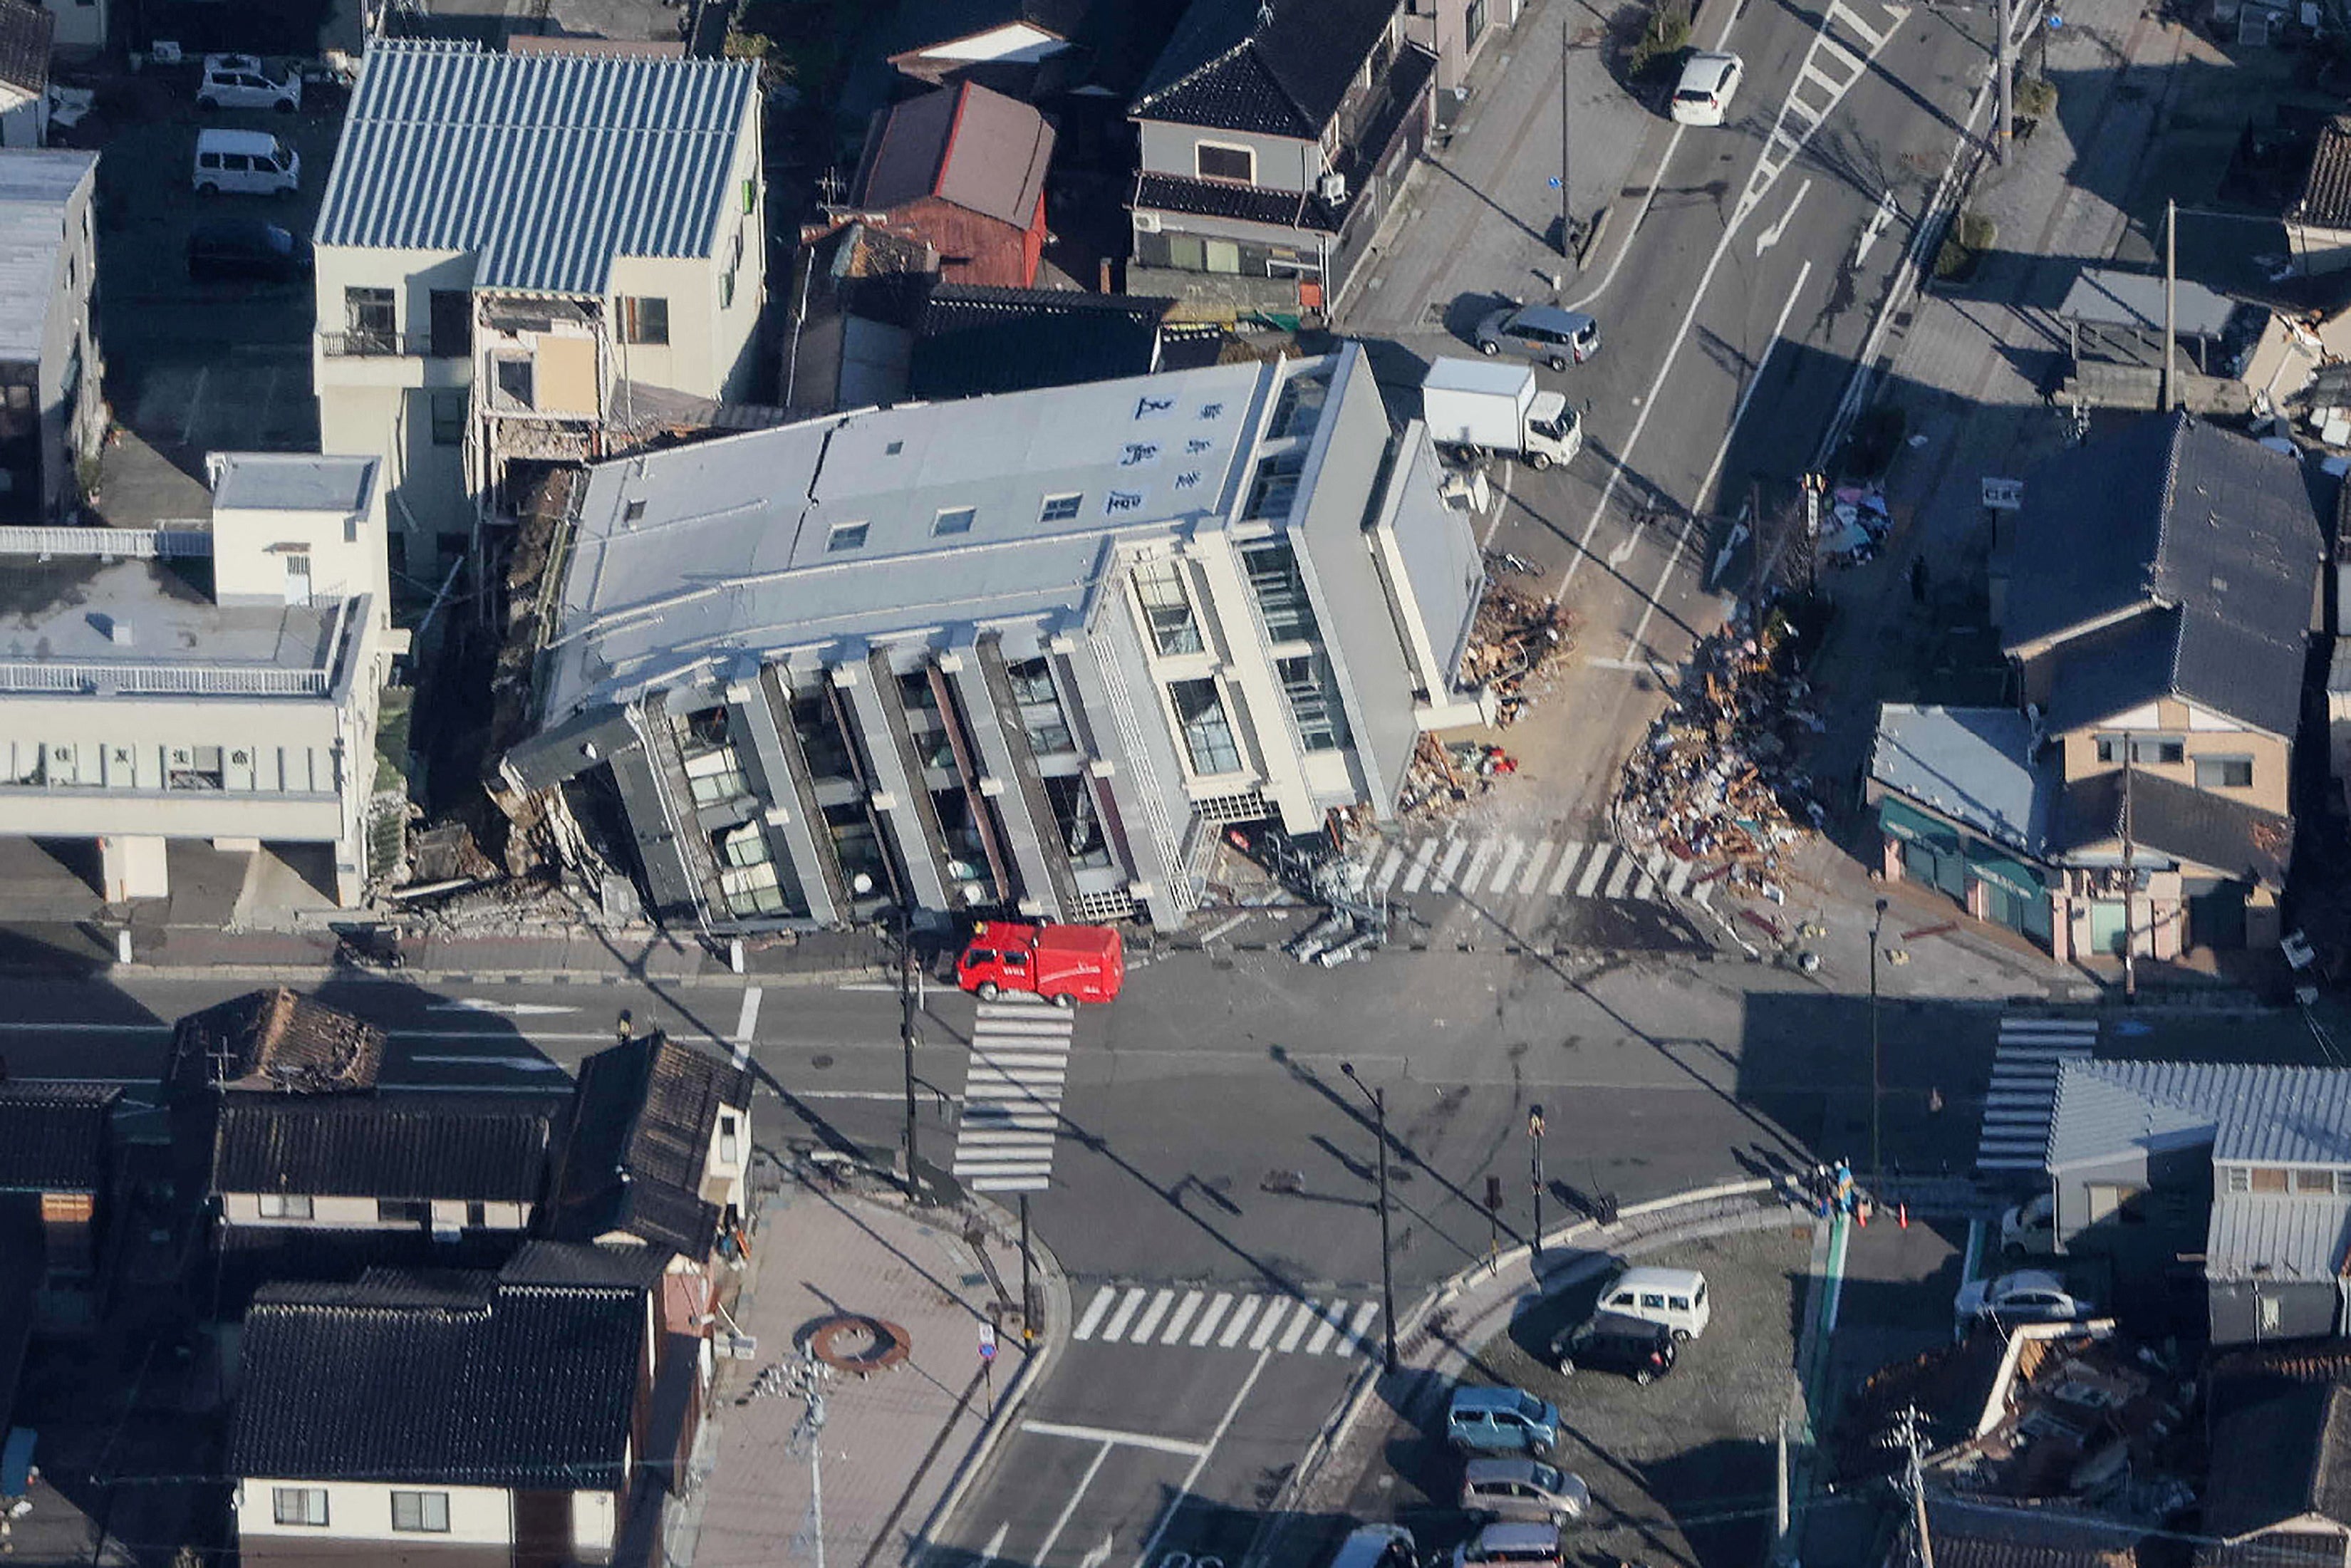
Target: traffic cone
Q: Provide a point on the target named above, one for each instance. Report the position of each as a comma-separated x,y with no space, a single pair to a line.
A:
1902,1213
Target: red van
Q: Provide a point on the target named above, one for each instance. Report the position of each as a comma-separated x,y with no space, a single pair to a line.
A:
1064,964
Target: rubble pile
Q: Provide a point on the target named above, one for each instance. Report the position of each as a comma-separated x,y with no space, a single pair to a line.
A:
1515,637
1443,777
1717,780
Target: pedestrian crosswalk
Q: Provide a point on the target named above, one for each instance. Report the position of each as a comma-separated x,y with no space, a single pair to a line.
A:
1229,1320
1012,1095
1523,866
2023,1092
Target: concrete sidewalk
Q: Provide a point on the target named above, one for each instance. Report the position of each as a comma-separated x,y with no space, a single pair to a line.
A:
898,1445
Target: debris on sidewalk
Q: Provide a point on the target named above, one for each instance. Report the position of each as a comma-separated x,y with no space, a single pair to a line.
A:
1717,779
1515,639
1857,523
1441,777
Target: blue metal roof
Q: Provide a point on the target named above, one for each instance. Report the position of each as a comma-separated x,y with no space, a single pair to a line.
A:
547,166
2252,1112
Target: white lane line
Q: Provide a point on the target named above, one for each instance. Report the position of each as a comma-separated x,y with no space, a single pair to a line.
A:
1213,932
1183,1318
1838,12
1111,1437
1592,873
1115,1329
1045,1552
1420,872
1513,850
1274,1307
1567,857
1300,1322
1095,1310
1444,879
1535,862
1358,1331
1391,862
1158,1310
1714,469
1239,1325
1212,1317
1183,1492
1327,1324
1621,877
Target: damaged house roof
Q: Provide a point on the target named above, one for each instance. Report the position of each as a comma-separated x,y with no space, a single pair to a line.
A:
645,1113
2279,1428
275,1040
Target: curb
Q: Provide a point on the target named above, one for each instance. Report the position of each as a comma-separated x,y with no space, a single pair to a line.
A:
1626,1238
317,973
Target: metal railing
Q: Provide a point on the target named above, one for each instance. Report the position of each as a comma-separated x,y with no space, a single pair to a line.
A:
63,679
387,346
177,537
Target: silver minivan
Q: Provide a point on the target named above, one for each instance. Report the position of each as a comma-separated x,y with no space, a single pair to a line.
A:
244,163
1526,1490
1510,1546
1546,333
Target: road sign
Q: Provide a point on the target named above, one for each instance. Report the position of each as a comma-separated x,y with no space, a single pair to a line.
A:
2002,495
988,1342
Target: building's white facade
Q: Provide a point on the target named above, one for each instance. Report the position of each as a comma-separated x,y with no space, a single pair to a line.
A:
273,1515
134,710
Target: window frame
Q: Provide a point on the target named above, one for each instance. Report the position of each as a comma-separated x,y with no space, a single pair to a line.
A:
1168,613
302,1497
1200,731
287,1206
842,539
445,409
644,320
421,1503
2229,765
2148,749
1203,145
1061,509
360,304
962,516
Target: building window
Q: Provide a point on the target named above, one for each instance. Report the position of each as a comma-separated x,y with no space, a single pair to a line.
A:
644,319
1281,594
448,415
452,323
846,537
1207,732
299,1505
194,767
2268,1178
425,1511
1159,584
2240,1180
2224,773
2314,1181
402,1211
1314,694
729,1148
2123,1205
2145,749
1060,508
714,777
368,317
1214,161
953,520
1275,486
285,1205
512,377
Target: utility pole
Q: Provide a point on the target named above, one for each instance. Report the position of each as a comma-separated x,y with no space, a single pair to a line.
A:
1534,1156
2130,886
1028,1292
2171,398
1876,1072
2001,134
1379,1099
1566,190
1909,1435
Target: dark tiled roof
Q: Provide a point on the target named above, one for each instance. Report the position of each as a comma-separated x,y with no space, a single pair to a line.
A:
1247,204
645,1113
2325,197
275,1040
53,1135
585,1263
1274,68
2280,1449
25,33
2011,1537
979,150
450,1379
974,339
2178,819
404,1148
2173,515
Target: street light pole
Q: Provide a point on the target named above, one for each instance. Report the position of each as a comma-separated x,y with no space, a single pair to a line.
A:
1379,1100
1534,1159
1876,1076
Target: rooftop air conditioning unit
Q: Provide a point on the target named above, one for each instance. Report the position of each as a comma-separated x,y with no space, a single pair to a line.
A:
1332,189
1146,223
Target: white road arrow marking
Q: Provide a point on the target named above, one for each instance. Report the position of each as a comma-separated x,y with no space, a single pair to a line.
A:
1770,236
512,1010
994,1547
1098,1555
1888,209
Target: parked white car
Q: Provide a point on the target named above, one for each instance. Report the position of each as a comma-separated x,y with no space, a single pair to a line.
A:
2029,1229
241,81
1709,81
2026,1296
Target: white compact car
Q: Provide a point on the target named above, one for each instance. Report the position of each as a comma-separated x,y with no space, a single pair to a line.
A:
1709,81
2026,1296
241,81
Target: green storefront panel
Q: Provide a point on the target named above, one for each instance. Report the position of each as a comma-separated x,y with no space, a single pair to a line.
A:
1912,826
2011,876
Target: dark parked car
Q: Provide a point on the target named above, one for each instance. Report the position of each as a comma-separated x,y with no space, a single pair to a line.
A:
246,250
1612,1341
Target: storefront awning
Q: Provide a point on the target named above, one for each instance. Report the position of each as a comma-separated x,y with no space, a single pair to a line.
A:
2010,876
1905,823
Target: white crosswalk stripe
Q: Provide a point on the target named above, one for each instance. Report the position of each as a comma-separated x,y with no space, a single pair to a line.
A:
1013,1096
1594,869
1511,874
1567,859
1505,868
1534,868
1444,882
2023,1097
1420,872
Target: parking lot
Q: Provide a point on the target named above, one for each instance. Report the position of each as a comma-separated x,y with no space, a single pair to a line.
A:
195,368
1680,1470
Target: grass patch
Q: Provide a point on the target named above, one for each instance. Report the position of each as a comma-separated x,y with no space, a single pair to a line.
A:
1662,38
2035,98
1970,240
393,714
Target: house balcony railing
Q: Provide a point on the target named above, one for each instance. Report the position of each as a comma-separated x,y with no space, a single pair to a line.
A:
388,346
60,679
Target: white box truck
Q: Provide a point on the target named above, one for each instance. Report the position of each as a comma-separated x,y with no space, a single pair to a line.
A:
1478,405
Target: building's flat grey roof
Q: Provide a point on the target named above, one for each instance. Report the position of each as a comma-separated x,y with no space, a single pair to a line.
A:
2266,1114
2276,1237
36,183
545,166
59,613
1974,765
2112,297
292,482
726,558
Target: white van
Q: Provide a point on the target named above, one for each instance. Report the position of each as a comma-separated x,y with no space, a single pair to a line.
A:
244,163
1673,1296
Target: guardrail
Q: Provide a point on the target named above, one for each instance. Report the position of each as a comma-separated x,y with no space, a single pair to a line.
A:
59,679
179,538
384,345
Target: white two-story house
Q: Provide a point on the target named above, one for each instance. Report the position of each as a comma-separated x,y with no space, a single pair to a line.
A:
514,250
